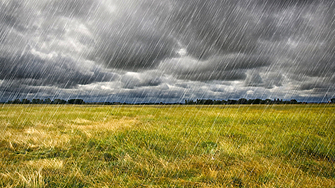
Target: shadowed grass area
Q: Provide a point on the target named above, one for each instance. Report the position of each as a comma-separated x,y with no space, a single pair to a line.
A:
167,146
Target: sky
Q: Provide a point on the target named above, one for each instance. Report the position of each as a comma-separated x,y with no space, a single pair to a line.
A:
167,50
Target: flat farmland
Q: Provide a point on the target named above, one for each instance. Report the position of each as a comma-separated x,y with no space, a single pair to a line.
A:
167,146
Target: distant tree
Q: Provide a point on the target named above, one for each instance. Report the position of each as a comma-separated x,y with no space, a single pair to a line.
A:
201,101
277,101
71,101
189,102
76,101
257,101
268,101
242,101
293,101
59,101
47,101
25,101
36,101
232,102
208,101
17,101
332,100
218,102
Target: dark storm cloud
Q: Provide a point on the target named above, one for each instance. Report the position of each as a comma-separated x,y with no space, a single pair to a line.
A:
308,54
227,67
162,91
254,80
290,38
72,8
131,80
61,72
135,40
144,53
214,27
125,35
38,49
316,84
268,81
273,79
297,30
281,4
268,46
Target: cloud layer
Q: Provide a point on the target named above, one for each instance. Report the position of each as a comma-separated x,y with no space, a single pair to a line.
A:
167,50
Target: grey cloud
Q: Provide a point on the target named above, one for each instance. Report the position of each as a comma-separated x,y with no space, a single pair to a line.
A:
183,85
288,3
308,86
132,80
133,38
42,48
214,27
318,84
228,67
268,80
296,30
145,53
214,75
58,43
12,16
254,79
304,46
273,79
62,72
71,8
216,88
156,92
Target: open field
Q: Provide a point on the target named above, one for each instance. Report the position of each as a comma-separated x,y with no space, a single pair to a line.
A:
167,146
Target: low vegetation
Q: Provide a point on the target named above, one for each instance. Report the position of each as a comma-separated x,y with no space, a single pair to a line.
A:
167,146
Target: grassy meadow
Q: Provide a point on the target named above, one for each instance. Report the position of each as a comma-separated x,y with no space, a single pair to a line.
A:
167,146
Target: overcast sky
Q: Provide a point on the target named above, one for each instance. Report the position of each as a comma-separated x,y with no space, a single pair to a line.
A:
167,50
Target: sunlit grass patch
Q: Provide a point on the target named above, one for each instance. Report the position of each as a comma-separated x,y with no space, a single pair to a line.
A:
114,124
81,121
33,138
46,163
26,178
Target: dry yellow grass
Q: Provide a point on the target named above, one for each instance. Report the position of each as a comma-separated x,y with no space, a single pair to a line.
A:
194,146
45,164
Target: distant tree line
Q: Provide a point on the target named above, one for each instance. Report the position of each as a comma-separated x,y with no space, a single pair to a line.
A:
47,101
242,101
188,102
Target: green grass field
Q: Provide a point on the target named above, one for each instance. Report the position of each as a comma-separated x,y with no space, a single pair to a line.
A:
167,146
